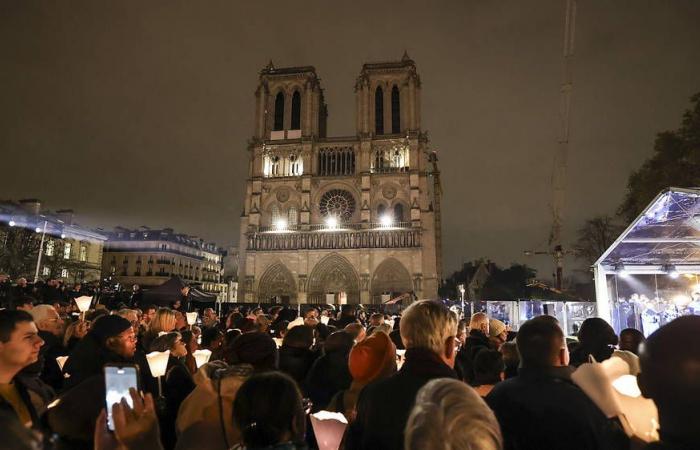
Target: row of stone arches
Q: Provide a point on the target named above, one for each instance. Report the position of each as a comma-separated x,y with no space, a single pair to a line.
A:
333,275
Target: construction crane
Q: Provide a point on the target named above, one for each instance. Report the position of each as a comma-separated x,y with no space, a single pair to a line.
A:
556,249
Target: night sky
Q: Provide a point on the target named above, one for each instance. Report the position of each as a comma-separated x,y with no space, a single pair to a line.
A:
138,112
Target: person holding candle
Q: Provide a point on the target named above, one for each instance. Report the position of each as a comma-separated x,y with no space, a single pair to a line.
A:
177,383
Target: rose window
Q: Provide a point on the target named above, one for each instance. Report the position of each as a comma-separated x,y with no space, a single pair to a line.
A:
338,203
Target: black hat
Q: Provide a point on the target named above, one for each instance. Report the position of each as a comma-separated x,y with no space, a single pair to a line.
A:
109,326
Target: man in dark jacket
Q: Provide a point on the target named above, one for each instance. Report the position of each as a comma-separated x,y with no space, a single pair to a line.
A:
428,330
50,328
670,363
19,348
477,340
541,408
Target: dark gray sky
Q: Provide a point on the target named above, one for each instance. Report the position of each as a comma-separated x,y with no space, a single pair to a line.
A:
138,112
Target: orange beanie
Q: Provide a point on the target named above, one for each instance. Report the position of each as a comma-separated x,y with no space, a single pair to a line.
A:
371,357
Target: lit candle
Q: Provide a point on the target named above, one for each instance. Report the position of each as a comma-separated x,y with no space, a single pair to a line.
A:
201,357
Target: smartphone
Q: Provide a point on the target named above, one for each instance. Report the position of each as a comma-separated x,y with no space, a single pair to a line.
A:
118,380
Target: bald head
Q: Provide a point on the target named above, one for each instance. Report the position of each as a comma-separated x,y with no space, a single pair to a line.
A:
670,364
480,321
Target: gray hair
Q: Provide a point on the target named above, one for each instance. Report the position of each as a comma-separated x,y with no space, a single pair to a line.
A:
448,414
427,324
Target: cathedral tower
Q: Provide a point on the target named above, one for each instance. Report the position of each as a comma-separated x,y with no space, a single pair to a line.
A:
342,219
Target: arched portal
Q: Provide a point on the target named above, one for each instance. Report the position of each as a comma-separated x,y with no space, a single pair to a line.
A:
392,278
333,275
277,285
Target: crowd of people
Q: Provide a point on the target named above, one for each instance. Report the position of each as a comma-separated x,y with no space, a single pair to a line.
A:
419,380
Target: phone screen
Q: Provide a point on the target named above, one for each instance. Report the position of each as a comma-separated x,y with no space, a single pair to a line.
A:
118,380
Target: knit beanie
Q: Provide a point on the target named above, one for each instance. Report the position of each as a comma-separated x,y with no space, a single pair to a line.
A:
109,326
496,327
371,357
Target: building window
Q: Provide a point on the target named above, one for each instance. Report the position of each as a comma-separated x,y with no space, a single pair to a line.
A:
83,253
395,111
283,166
336,161
296,111
275,214
50,247
64,273
398,212
279,112
66,250
379,111
380,211
293,215
46,271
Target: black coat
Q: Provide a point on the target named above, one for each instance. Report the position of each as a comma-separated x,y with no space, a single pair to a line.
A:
53,347
296,362
384,406
328,375
177,385
542,409
87,360
475,342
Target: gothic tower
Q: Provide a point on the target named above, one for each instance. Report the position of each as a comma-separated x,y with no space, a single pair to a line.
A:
342,219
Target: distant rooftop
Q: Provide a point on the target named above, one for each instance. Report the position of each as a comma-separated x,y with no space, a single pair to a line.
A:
143,233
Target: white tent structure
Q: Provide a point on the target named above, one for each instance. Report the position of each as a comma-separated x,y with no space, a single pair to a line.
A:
662,242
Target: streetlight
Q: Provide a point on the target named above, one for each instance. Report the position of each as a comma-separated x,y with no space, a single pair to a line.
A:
41,250
12,223
462,291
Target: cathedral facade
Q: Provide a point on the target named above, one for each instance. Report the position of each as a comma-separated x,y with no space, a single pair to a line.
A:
340,219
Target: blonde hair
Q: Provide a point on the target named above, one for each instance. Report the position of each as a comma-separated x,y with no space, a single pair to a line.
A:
164,320
448,414
427,324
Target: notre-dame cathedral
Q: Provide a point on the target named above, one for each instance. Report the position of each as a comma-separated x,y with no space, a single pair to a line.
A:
351,219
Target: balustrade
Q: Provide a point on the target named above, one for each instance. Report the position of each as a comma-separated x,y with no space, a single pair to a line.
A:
335,240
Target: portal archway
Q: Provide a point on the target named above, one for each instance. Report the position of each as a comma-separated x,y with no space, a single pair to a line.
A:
277,285
390,277
333,275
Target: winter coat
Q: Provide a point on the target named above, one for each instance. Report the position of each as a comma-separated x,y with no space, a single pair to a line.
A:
384,406
296,362
177,385
475,342
6,407
53,347
328,375
87,360
210,406
542,409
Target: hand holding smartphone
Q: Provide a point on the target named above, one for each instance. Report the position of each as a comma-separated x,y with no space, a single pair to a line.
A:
118,380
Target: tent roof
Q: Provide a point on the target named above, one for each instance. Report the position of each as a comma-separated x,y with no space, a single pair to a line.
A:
167,292
667,232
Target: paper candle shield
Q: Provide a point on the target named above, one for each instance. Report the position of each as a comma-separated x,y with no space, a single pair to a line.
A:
191,318
83,303
616,393
201,357
158,362
61,360
329,428
278,342
324,320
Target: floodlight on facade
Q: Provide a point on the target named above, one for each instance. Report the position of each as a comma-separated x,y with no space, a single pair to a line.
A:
386,220
331,222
